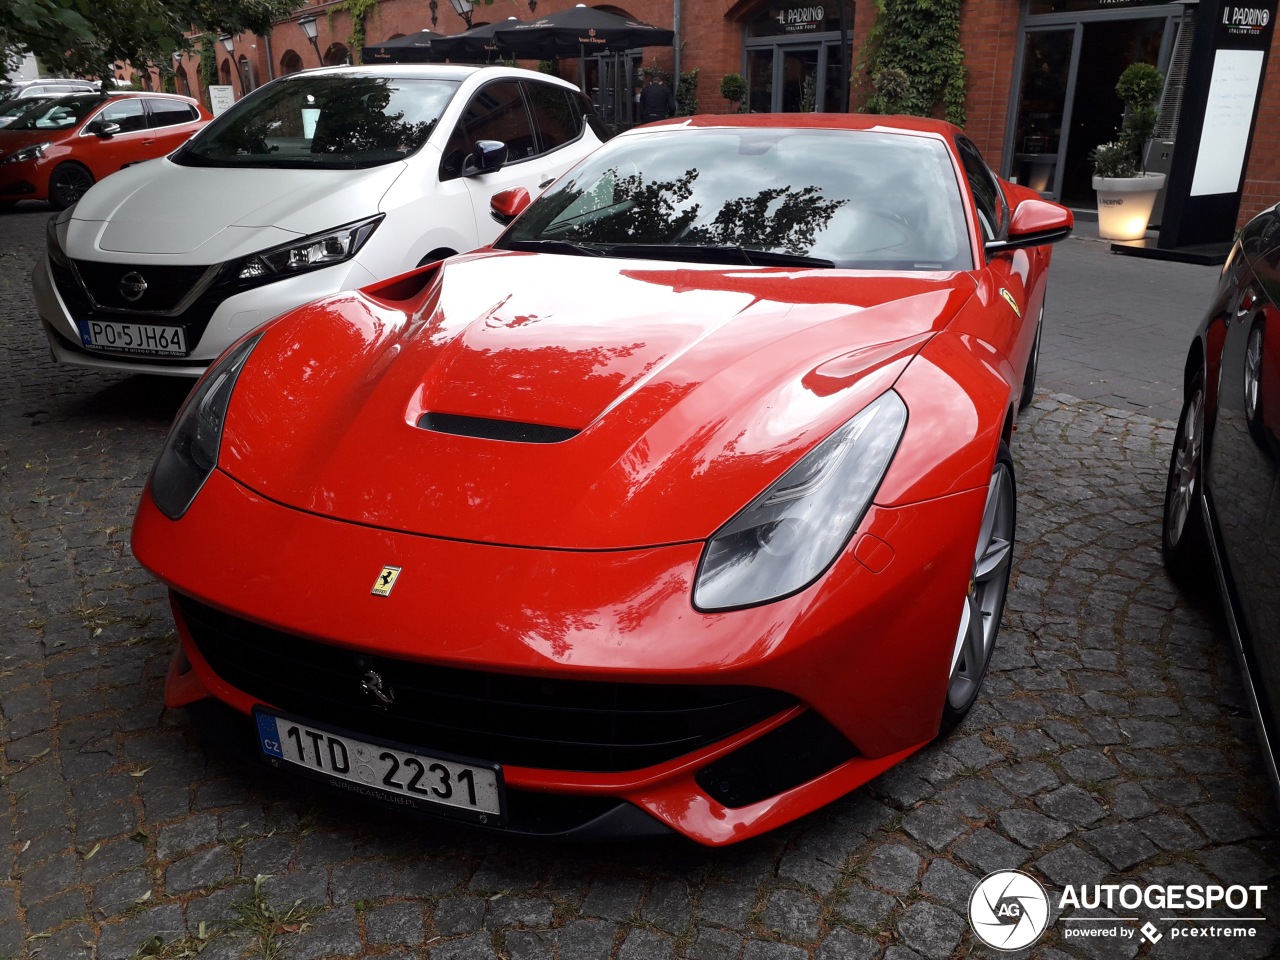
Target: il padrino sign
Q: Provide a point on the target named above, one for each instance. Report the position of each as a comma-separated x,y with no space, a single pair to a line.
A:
790,17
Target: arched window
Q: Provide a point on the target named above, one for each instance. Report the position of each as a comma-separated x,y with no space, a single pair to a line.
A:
180,81
248,76
224,73
336,55
290,62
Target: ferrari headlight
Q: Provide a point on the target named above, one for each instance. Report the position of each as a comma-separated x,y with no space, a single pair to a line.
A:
785,538
33,152
309,253
191,450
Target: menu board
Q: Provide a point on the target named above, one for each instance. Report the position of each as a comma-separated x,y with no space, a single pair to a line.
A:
1224,139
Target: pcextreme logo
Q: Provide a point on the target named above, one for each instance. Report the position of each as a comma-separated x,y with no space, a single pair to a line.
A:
1009,910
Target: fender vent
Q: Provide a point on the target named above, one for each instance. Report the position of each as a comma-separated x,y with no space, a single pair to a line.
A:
485,428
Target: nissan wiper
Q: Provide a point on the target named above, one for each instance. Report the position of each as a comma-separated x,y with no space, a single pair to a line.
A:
716,254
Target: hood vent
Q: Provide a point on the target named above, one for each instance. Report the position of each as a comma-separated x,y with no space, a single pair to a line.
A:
486,428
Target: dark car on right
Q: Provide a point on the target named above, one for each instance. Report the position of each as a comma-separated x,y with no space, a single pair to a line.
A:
1222,500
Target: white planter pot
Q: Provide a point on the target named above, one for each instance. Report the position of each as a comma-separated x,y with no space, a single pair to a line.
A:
1125,203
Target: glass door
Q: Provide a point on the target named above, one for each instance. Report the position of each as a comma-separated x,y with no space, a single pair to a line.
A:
800,80
1050,59
760,80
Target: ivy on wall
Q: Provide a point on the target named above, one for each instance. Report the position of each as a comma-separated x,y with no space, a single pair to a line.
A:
914,59
359,11
208,64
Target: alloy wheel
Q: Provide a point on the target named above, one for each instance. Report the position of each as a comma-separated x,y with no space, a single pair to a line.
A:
1184,472
988,585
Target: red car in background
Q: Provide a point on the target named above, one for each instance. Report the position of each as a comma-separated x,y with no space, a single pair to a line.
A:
60,150
686,506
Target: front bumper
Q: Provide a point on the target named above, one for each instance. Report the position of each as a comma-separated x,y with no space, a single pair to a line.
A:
212,323
865,654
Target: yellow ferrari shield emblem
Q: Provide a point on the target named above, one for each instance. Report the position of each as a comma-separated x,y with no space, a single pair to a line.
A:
1008,298
386,580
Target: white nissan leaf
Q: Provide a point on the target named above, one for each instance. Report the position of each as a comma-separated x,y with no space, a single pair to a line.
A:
318,182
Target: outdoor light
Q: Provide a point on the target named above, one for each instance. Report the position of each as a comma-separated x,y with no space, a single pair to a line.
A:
228,43
434,7
463,8
308,25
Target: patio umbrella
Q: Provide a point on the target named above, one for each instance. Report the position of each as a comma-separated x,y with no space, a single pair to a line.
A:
476,45
415,48
580,31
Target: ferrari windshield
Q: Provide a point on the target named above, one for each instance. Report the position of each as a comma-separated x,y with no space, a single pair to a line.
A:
845,198
323,121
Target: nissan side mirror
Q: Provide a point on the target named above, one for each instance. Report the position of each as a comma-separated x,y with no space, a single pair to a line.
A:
489,157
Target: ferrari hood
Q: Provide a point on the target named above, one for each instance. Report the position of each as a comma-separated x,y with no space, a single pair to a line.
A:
211,214
559,401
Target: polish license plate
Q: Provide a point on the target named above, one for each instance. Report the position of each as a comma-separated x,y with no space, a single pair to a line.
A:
149,338
384,770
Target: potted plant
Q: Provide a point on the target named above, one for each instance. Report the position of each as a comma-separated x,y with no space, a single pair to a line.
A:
1126,192
734,89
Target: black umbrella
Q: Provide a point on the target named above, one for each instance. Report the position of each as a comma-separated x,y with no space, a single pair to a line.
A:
415,48
578,31
476,45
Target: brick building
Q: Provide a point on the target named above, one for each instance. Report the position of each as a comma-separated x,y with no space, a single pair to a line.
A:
1040,84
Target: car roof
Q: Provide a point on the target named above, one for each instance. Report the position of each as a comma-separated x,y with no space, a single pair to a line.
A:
122,95
427,71
888,123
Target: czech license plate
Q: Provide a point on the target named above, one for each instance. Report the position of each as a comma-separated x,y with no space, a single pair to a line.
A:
385,771
135,338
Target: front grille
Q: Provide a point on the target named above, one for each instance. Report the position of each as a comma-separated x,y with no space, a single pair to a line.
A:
84,310
510,719
166,287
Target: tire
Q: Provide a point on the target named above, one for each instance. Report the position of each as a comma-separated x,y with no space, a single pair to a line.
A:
67,184
1033,368
1184,539
984,601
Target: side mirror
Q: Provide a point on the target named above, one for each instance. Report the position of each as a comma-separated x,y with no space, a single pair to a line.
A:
104,129
489,157
506,205
1034,223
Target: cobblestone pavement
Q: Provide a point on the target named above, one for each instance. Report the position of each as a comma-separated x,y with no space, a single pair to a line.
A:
1112,745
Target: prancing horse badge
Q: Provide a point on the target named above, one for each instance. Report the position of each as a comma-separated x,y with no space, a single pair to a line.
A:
386,580
1008,297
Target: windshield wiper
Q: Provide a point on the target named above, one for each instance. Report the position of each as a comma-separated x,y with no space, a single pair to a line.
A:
716,254
553,246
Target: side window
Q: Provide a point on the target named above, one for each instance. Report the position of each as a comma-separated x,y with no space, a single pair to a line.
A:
986,191
167,113
556,116
496,112
128,113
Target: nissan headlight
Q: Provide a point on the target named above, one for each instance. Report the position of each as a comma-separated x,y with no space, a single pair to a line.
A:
298,256
191,450
54,233
33,152
786,537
